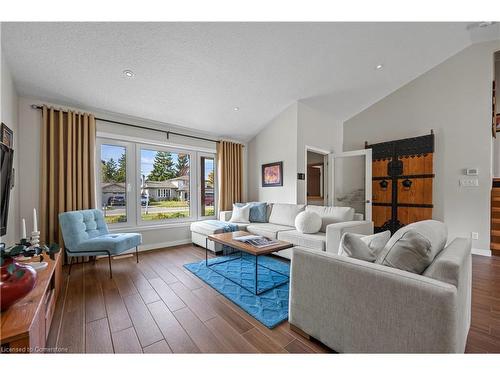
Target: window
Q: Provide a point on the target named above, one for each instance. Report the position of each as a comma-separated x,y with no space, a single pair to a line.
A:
145,184
113,177
207,183
165,189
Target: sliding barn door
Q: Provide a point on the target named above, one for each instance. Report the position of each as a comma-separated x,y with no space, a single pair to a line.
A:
402,178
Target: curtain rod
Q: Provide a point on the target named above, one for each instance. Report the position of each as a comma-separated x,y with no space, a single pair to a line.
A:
167,132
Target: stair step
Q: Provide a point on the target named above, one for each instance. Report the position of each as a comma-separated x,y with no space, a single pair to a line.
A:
495,246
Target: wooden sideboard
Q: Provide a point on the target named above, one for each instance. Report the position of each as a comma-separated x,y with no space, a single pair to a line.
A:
26,324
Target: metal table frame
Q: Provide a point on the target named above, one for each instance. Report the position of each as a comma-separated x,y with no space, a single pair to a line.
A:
256,291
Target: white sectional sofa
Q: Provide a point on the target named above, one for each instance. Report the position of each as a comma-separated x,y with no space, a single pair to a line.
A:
281,225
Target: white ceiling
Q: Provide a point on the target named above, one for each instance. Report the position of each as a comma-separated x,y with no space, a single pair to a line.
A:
194,74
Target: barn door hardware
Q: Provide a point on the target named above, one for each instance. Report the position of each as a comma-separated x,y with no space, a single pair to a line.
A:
406,184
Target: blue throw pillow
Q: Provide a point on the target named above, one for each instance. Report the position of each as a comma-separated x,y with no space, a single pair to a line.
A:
258,211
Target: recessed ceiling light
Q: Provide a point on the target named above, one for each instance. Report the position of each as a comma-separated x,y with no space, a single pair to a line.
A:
379,67
486,23
128,73
236,108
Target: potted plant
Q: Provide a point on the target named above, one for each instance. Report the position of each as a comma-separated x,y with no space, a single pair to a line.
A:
18,279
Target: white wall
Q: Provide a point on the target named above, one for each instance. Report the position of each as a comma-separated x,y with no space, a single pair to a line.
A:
286,139
9,117
315,129
276,142
454,99
153,237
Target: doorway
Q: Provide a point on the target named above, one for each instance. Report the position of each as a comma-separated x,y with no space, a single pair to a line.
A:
316,180
351,177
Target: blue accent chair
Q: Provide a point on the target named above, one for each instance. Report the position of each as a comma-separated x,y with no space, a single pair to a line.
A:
85,233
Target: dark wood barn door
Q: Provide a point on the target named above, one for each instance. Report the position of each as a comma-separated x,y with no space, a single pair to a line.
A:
402,178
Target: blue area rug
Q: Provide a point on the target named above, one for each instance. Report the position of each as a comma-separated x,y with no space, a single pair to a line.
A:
271,307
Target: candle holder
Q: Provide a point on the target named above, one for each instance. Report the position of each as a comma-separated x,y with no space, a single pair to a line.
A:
35,239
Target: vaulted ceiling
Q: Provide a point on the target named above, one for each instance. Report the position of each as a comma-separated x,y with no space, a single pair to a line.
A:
195,74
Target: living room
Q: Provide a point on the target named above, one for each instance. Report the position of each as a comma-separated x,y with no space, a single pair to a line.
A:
249,187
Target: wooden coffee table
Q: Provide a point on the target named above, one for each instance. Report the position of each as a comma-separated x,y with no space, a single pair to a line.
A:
227,239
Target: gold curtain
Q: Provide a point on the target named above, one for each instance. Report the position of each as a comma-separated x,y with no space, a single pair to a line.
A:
67,174
230,168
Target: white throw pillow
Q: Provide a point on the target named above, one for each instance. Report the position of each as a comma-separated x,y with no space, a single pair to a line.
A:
363,247
332,215
308,222
241,214
285,213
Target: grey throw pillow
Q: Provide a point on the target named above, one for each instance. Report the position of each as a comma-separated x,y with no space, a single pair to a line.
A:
414,247
363,247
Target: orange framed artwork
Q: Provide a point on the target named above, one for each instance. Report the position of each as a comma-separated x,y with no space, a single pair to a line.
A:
272,174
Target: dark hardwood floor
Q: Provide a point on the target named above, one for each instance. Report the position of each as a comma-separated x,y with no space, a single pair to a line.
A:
157,306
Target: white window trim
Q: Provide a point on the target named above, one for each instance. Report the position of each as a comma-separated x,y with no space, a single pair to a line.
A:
192,183
199,156
129,186
133,147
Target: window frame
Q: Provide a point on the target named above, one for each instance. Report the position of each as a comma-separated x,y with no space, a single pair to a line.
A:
133,180
129,186
200,171
193,199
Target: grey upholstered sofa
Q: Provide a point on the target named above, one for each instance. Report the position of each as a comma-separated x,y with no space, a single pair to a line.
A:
355,306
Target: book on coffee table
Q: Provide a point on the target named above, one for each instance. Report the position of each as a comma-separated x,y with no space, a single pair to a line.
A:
257,241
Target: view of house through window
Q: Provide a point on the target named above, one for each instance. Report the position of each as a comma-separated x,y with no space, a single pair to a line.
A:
142,184
164,185
207,186
113,183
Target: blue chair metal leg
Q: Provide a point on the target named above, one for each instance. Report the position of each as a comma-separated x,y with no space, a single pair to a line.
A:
109,260
70,264
137,254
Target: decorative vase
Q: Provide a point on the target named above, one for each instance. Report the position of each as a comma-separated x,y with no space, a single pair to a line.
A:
14,287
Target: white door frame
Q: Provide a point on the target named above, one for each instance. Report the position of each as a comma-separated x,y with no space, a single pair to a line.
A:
326,172
367,153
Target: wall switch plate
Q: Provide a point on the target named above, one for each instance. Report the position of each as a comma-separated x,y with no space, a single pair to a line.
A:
469,182
474,235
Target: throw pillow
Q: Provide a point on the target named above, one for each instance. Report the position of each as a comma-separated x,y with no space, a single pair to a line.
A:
331,215
258,211
308,222
285,213
240,214
363,247
414,247
377,241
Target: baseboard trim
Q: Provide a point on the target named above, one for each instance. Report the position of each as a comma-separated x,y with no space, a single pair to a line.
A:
159,245
475,251
483,252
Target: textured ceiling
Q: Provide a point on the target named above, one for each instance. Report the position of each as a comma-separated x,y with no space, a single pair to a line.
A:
194,74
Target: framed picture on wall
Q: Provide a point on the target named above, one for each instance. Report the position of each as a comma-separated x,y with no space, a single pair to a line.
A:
6,136
272,174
